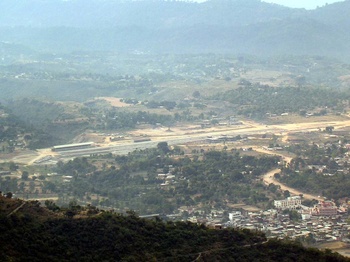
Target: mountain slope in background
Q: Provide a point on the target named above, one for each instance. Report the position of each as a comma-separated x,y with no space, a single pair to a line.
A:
235,26
149,14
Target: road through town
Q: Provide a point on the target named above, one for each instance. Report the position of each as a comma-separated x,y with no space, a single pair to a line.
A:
269,178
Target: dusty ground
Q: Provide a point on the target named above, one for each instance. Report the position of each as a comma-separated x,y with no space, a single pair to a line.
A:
333,245
114,101
89,137
162,133
246,207
337,246
271,78
344,252
294,118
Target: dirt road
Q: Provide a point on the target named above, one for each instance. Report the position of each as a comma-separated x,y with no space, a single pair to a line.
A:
18,208
269,178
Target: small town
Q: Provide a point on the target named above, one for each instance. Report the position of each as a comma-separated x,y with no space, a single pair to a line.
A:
288,219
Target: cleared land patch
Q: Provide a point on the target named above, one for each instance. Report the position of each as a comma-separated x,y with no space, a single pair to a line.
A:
114,101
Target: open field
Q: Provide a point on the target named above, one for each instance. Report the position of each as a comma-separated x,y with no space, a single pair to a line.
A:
271,78
294,118
113,101
184,89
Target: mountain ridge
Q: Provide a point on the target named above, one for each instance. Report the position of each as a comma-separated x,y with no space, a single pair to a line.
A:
219,26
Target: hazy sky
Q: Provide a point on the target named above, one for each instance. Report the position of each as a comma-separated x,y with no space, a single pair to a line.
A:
308,4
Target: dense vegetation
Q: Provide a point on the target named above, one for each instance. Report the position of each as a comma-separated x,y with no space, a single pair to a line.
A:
212,178
10,126
334,187
44,123
116,119
320,169
16,133
34,234
54,123
254,100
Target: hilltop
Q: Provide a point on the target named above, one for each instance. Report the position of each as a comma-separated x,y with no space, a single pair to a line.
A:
220,26
37,234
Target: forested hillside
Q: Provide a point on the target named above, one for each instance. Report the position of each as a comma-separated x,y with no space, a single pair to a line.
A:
239,26
259,101
35,234
149,14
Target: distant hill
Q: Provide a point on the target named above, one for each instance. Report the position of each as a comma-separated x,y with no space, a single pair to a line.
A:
32,233
235,26
148,14
334,14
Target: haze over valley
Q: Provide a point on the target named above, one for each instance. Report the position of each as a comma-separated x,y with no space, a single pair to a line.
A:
249,26
174,131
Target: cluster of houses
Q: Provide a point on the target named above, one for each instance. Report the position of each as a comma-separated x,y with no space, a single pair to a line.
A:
277,224
167,179
325,221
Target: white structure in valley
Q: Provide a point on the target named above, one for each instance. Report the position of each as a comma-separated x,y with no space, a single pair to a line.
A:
288,203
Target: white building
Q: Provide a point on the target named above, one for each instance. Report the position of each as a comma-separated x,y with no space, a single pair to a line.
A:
289,203
235,215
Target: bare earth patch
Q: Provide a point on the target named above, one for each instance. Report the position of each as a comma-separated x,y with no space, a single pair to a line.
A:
337,246
114,101
89,137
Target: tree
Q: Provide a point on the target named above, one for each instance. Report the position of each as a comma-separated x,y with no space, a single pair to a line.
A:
9,195
277,176
73,205
286,193
300,80
294,215
51,205
70,213
329,129
302,112
25,175
196,94
13,166
27,137
163,146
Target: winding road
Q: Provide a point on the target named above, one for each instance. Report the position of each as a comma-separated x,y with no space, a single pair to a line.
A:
269,178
